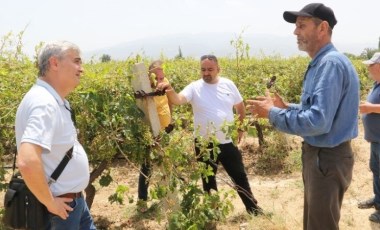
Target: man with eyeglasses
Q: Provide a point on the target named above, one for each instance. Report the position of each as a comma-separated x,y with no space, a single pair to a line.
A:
213,99
370,111
326,116
45,132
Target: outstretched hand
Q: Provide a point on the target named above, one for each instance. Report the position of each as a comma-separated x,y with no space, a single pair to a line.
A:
279,102
163,86
261,105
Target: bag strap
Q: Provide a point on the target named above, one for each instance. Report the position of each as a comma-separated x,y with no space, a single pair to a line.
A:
69,154
57,172
14,164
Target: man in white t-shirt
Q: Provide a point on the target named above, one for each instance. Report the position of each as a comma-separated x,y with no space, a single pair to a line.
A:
213,99
45,132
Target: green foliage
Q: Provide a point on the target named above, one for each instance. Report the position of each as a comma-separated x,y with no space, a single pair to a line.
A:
118,196
199,209
108,118
366,82
252,75
17,74
241,48
111,125
105,180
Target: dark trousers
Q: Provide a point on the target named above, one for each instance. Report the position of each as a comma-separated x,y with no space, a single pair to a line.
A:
144,176
145,173
327,173
231,159
374,164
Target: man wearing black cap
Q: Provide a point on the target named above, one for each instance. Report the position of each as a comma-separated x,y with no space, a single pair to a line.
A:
326,117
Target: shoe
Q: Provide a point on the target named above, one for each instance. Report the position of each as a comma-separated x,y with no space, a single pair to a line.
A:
370,203
256,211
142,206
375,217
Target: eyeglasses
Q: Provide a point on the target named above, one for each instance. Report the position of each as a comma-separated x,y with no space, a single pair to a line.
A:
209,57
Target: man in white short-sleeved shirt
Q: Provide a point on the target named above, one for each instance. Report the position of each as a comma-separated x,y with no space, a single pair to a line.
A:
211,114
213,99
45,132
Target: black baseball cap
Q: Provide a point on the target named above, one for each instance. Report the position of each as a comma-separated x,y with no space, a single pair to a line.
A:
317,10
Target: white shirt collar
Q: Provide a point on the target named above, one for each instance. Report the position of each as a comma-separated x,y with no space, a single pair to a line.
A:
52,91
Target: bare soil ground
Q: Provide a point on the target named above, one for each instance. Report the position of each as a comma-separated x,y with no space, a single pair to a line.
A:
281,195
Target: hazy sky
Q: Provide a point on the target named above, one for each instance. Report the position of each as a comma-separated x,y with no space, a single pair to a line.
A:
94,24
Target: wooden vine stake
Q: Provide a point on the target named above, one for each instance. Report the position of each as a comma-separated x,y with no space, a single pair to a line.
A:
141,83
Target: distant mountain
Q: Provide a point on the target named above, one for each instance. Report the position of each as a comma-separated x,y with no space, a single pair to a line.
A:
195,45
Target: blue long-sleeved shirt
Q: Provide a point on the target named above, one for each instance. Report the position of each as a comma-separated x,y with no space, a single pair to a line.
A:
328,113
371,121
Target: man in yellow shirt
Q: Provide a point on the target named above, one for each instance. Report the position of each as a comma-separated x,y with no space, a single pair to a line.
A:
156,75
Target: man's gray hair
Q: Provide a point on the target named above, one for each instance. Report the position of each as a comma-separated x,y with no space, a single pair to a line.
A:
57,49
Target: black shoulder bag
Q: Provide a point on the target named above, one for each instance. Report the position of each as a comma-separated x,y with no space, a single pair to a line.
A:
22,209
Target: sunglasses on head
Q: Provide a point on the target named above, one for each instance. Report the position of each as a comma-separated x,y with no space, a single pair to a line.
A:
209,57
